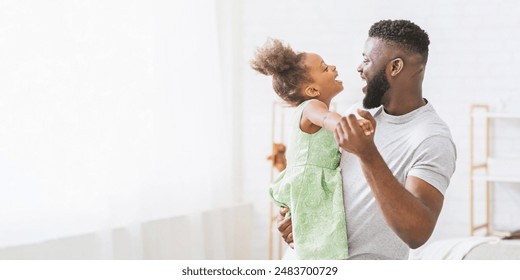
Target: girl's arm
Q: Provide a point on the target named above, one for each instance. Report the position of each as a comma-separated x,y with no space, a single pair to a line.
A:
317,115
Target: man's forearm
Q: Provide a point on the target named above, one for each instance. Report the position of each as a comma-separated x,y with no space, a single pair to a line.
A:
408,217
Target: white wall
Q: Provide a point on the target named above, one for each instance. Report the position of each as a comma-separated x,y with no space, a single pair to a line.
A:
473,59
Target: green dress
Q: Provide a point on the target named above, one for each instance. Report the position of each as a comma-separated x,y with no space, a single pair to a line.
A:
311,187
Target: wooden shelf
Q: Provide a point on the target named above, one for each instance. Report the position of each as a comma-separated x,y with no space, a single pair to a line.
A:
502,179
495,115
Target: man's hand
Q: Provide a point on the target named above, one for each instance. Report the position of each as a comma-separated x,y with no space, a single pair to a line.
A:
285,226
352,138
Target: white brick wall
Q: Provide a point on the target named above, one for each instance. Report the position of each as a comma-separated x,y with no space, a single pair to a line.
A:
474,58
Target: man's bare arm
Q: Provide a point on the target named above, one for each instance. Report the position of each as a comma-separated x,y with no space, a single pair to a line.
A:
411,211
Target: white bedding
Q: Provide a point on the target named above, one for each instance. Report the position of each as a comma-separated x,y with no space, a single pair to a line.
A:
481,248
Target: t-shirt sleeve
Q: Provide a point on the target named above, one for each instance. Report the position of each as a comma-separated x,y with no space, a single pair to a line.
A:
434,162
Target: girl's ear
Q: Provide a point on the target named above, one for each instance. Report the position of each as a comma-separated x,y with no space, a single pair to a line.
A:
396,65
311,92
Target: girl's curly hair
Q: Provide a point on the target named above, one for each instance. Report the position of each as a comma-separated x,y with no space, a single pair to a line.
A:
286,66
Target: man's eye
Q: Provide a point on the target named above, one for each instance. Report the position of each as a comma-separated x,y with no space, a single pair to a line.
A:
326,69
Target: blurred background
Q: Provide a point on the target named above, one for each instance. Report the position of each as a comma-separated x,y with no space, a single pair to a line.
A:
137,129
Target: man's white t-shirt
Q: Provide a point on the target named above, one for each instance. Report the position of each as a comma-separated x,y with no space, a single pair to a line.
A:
416,144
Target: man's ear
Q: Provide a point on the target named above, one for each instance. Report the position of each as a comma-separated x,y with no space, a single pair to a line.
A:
311,92
396,66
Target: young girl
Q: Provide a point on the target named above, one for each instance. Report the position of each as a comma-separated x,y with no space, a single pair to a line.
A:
311,185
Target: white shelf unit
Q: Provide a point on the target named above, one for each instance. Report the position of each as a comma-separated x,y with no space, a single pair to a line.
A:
480,111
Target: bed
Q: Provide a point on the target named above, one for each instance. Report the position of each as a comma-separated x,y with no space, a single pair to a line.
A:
470,248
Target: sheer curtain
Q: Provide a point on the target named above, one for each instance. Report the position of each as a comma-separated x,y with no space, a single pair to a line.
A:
112,114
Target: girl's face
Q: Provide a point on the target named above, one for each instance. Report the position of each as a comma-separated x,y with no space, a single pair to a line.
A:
323,76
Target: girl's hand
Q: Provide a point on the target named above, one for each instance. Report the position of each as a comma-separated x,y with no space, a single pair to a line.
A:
366,125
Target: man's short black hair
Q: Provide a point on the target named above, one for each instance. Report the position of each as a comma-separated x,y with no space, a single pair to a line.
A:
404,33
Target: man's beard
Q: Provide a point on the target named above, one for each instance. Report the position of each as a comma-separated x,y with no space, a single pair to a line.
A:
376,89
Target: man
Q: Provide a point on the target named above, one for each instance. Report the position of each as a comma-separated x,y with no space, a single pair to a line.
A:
394,180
